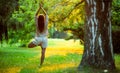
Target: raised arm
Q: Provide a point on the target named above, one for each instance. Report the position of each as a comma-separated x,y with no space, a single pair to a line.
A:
43,10
37,11
45,13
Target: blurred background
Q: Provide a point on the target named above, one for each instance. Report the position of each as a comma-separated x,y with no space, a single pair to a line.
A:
66,21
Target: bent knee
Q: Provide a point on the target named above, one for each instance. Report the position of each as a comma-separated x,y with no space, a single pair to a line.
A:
31,45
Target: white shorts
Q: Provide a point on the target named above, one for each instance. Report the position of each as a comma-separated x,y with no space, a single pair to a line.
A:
41,40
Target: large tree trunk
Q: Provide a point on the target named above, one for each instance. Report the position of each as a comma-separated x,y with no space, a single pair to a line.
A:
98,50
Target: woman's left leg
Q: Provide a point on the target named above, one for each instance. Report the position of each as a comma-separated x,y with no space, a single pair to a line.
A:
31,45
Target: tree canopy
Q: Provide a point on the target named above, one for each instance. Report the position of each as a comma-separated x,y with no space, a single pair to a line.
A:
6,9
61,13
17,16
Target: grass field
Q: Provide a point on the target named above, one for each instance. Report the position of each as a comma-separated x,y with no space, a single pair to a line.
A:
61,57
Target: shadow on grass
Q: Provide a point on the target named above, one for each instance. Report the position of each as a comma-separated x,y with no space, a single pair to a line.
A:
28,70
95,70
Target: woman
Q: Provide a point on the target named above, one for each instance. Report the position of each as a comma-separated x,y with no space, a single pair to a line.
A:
41,32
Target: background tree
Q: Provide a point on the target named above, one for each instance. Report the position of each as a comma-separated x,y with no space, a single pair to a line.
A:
6,9
116,25
64,16
61,13
116,12
98,50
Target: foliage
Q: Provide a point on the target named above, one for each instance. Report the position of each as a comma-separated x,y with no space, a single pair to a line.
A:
61,13
116,12
116,25
64,15
6,9
77,32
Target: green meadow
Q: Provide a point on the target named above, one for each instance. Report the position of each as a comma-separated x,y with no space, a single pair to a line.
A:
61,57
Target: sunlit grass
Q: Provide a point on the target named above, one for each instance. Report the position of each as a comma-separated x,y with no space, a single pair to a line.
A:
61,57
10,70
56,67
63,47
60,54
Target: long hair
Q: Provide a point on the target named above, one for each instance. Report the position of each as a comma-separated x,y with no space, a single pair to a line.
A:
41,22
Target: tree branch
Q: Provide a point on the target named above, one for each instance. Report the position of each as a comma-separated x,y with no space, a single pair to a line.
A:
61,19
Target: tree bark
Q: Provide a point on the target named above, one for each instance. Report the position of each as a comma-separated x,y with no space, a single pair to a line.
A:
98,49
